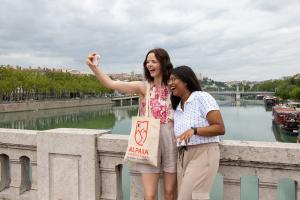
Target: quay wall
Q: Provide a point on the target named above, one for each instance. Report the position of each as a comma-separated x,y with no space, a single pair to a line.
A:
43,105
73,164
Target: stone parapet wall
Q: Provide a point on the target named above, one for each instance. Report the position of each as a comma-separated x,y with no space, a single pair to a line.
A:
42,105
68,165
269,161
52,164
75,164
15,145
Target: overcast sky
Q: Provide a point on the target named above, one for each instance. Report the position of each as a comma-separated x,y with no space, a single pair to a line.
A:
224,40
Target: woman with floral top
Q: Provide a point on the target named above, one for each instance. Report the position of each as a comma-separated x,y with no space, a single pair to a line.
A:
157,68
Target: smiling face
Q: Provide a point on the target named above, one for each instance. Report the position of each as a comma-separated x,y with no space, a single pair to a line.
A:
153,65
177,86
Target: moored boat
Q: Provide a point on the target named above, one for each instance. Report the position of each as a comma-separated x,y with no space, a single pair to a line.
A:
259,97
270,101
287,120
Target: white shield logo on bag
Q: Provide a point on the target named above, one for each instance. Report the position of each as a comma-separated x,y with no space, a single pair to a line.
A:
141,131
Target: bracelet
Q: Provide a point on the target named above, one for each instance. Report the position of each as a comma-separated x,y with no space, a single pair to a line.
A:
195,130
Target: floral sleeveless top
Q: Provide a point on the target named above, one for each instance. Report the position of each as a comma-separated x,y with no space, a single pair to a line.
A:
160,104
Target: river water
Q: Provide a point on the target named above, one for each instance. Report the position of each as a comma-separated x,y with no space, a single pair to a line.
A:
243,122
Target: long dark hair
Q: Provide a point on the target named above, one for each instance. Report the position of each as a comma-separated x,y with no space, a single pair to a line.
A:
165,63
186,75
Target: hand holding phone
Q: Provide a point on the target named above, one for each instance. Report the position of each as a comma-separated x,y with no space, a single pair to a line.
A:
96,60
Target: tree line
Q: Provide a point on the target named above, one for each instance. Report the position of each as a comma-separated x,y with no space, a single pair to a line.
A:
286,89
18,84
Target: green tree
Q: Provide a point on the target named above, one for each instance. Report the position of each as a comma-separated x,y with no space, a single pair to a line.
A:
295,93
26,84
284,89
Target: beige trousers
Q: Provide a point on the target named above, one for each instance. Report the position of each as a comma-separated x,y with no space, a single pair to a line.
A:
196,170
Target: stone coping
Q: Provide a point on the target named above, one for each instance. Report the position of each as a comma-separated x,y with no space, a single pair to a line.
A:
18,137
264,152
252,151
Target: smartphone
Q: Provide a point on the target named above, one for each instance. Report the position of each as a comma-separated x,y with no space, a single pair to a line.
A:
96,60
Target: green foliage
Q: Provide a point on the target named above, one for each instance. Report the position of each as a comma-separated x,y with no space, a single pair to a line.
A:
286,89
267,85
106,121
27,83
295,93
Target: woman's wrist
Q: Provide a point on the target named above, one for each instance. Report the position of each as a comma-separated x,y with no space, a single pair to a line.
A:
194,130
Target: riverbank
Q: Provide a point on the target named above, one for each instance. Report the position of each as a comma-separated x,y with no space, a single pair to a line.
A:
55,104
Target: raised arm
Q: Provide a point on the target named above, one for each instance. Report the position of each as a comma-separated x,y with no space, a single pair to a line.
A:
138,87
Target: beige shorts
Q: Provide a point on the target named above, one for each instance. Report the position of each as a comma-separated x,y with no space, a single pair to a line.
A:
196,170
167,153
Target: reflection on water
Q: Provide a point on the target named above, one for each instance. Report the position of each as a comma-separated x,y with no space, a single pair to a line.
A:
244,121
247,122
282,137
268,108
94,117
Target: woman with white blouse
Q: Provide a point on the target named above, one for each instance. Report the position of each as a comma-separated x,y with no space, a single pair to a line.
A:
197,126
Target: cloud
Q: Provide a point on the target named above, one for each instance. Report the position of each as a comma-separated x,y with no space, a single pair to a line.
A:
242,40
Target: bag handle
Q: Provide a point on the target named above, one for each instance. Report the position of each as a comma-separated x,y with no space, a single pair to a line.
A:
147,99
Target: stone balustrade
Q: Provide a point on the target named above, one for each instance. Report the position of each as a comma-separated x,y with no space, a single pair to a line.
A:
18,164
77,164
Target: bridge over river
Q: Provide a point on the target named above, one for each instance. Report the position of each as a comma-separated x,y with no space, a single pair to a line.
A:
236,95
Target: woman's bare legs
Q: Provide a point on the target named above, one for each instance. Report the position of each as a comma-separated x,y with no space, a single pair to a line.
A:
170,186
150,182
